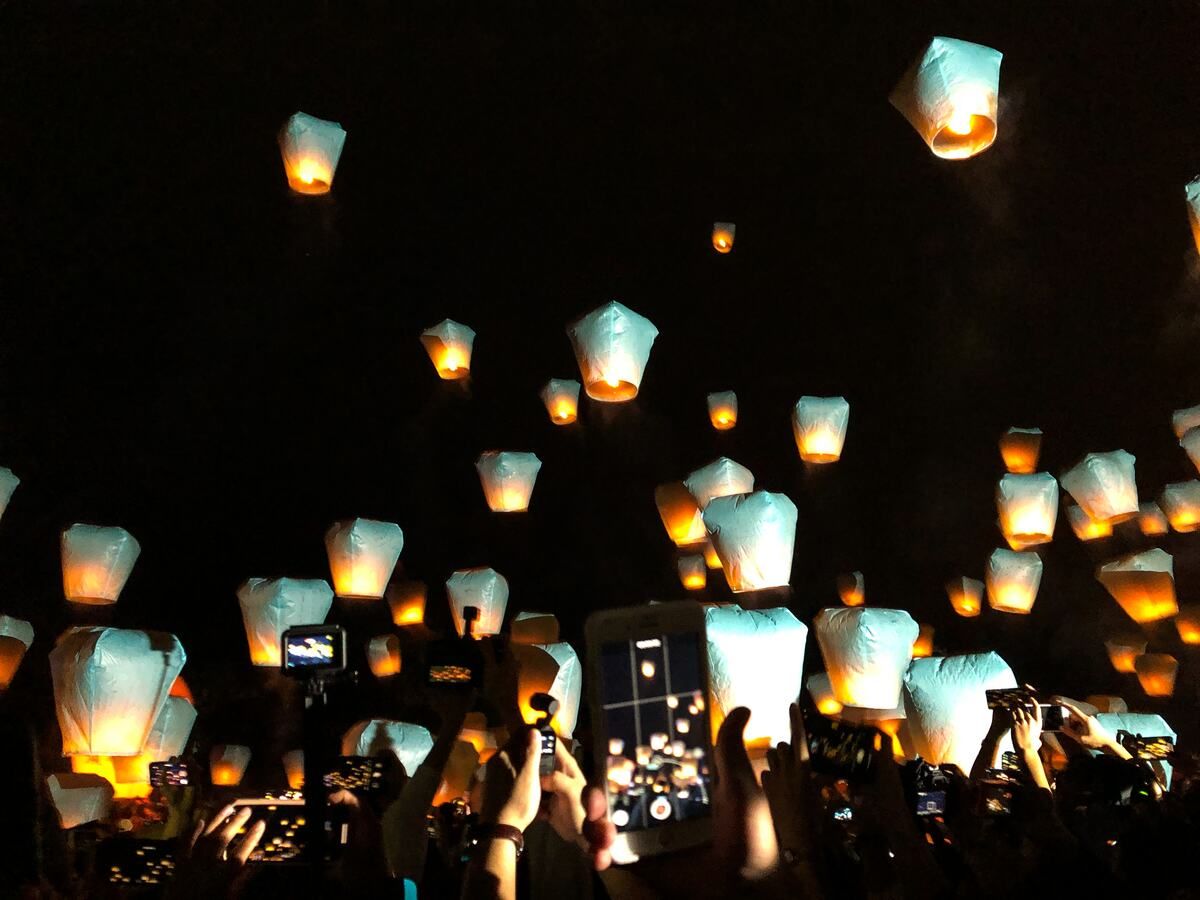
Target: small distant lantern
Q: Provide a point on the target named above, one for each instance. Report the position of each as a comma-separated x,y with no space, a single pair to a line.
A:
720,478
227,764
1192,193
693,574
866,650
923,645
561,396
270,606
1028,509
1020,448
79,798
373,737
612,345
16,636
1152,520
311,148
486,590
567,687
1143,584
822,695
96,562
406,600
1103,485
1107,703
8,484
449,345
723,410
755,536
1181,503
711,560
1087,529
966,596
536,672
507,478
383,655
680,514
362,554
852,588
950,96
1184,420
1190,442
534,628
819,426
722,236
168,738
1123,651
293,768
1013,579
1187,623
1156,673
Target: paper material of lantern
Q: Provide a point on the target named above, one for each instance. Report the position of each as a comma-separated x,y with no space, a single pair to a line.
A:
567,687
406,600
819,426
96,562
950,96
679,513
722,236
383,655
8,484
866,650
723,410
1028,509
79,798
756,660
374,737
1146,724
110,684
507,478
1156,673
270,606
1143,583
612,345
1087,529
1020,448
1123,651
852,588
1184,420
1104,486
293,768
946,702
1187,623
693,574
168,737
711,560
362,554
1013,579
561,396
536,672
720,478
1192,192
227,764
16,636
311,148
486,590
449,345
754,536
821,691
105,767
966,596
1107,703
923,645
475,730
1190,442
1181,503
534,628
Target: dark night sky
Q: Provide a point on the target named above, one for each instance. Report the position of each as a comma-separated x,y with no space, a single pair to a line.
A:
224,369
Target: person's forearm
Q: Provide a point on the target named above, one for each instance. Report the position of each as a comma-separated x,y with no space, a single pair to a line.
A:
1111,746
492,873
404,840
986,758
1033,764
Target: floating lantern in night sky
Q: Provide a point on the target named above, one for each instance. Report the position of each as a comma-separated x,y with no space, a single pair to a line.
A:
561,396
1143,584
754,536
866,650
536,672
362,554
1187,623
8,484
966,596
1028,509
1156,673
722,236
1181,503
1190,442
486,590
534,628
270,606
923,645
1020,448
383,655
16,636
819,426
1152,520
1013,579
1086,529
693,574
722,410
311,148
852,588
96,562
1103,485
567,687
612,345
680,514
449,345
227,764
406,600
408,742
507,478
1192,193
1184,420
1122,651
293,768
720,478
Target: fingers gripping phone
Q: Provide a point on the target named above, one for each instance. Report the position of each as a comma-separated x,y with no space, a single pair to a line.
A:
649,684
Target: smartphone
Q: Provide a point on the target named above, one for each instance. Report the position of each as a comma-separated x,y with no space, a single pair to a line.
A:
930,803
841,749
361,774
137,863
283,840
549,740
314,650
1146,747
1054,716
648,674
1010,762
1008,698
996,793
169,774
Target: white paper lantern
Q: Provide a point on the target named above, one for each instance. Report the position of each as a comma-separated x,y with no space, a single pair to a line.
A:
693,574
1143,584
1103,485
449,345
16,636
754,536
819,426
79,799
110,684
1107,703
1151,519
534,628
561,396
612,344
8,484
722,410
567,688
227,764
362,555
1192,193
966,596
168,737
293,769
1156,673
1013,580
311,148
722,236
852,588
383,655
270,606
1187,623
1020,448
486,590
1190,442
507,478
96,562
1184,420
950,96
406,600
1181,503
756,660
1123,651
1087,529
680,514
1028,508
866,651
821,691
720,478
374,737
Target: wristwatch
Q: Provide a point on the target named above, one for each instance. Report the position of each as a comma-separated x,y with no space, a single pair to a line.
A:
481,835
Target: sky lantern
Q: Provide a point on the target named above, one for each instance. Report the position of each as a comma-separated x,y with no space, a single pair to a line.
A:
756,660
1107,703
311,148
227,764
534,628
270,606
612,344
168,738
1184,420
1143,583
711,560
1156,674
1192,193
79,798
1187,623
821,691
1190,442
722,410
362,554
16,636
406,600
383,655
1152,520
680,514
819,426
1181,503
1020,448
720,478
567,687
1086,529
866,650
374,737
693,574
754,536
966,596
536,673
950,96
96,562
8,484
1103,485
722,236
1028,509
293,769
507,478
1122,651
449,345
561,396
923,645
486,590
485,740
1013,579
852,588
110,684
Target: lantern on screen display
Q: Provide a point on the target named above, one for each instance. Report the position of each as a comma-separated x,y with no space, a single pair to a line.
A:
1013,579
966,596
1103,485
819,426
1123,651
96,562
311,148
449,345
723,410
227,764
362,554
483,588
8,484
1086,529
567,687
507,478
1020,448
270,606
821,691
680,514
561,397
1028,508
754,536
406,600
16,636
693,574
720,478
866,651
756,660
383,655
536,673
1143,583
168,738
293,768
79,798
722,236
1156,673
852,588
950,96
612,345
534,628
1187,623
1181,503
923,645
374,737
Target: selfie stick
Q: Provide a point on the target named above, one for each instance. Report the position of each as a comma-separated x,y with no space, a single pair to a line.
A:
313,728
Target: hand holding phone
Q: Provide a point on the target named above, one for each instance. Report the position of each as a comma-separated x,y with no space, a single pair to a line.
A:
547,706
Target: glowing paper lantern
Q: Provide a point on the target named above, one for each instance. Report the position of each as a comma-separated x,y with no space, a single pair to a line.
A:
1107,703
866,651
1156,673
1181,503
1087,529
1187,623
536,674
561,397
950,96
168,738
1143,583
293,768
1123,651
507,478
852,588
819,426
1013,579
79,798
693,574
8,484
227,764
534,628
383,655
966,596
1151,519
567,687
1192,192
756,660
311,148
449,345
362,554
270,606
821,691
110,686
1020,448
106,768
1184,420
1028,509
679,513
754,536
723,410
722,236
923,645
1103,485
486,590
406,600
374,737
720,478
16,636
711,560
1190,442
612,344
96,562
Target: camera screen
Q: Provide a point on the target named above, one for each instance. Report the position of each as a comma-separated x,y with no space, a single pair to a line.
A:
169,774
656,723
313,651
355,773
449,675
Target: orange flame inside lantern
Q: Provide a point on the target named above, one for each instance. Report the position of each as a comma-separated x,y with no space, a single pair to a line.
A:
1156,673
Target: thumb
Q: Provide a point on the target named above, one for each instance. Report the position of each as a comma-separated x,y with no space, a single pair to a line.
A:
733,764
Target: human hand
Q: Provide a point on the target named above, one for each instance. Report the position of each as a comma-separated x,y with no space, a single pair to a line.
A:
743,834
1085,729
512,792
1027,728
213,859
598,832
562,793
787,786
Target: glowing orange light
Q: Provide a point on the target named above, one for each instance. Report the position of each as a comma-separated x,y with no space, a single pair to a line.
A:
679,513
406,599
966,596
1122,653
1187,623
1156,673
104,767
923,645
